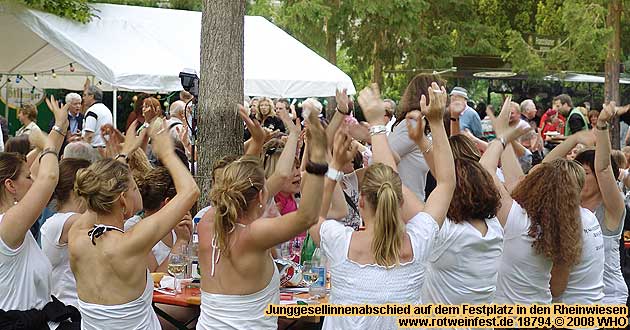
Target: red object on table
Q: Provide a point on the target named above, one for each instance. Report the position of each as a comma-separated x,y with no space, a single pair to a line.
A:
189,297
626,244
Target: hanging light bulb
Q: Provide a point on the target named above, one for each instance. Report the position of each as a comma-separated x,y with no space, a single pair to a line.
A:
33,90
18,78
100,82
35,76
54,75
71,68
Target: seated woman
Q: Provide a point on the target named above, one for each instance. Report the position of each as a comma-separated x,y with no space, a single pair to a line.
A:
103,255
24,269
55,230
157,189
238,276
385,263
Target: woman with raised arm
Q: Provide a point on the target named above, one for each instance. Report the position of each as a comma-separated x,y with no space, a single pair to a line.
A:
110,265
385,263
600,195
24,269
239,278
540,224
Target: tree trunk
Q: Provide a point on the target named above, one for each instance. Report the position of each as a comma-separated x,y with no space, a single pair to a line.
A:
221,86
377,62
331,56
611,83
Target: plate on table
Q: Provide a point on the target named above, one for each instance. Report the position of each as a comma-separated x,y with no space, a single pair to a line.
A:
552,133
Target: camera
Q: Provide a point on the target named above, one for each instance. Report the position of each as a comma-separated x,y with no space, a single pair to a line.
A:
190,81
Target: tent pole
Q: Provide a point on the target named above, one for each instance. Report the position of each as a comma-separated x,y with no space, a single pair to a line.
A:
115,106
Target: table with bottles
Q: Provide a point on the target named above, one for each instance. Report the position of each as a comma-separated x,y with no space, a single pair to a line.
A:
311,281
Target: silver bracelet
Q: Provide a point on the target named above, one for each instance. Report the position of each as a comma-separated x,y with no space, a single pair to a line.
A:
334,174
378,129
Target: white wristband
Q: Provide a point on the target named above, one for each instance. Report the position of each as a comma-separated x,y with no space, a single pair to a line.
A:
378,129
334,174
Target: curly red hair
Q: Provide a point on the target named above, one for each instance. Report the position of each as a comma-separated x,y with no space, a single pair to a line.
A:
551,196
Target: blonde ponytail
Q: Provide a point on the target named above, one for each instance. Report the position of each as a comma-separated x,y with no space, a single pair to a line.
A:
382,188
232,194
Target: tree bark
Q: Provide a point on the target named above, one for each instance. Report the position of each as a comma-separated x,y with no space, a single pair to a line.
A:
611,83
377,62
221,86
331,56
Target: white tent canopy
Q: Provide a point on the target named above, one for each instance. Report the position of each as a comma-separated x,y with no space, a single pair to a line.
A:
144,49
581,77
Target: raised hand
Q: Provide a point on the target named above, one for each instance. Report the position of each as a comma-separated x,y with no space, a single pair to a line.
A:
416,133
343,149
288,123
607,114
183,230
160,141
133,141
316,137
342,100
501,123
434,111
60,114
372,105
253,126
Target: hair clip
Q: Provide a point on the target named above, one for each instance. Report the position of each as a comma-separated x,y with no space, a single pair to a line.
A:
250,181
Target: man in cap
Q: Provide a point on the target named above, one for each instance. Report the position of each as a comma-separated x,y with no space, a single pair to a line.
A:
462,113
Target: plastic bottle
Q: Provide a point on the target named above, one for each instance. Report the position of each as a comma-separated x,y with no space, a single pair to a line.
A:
318,288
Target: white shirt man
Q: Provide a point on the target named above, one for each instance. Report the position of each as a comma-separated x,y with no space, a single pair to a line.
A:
96,116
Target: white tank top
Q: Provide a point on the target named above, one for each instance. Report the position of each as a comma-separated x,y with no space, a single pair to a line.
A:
221,311
134,315
586,280
64,285
615,288
463,264
524,275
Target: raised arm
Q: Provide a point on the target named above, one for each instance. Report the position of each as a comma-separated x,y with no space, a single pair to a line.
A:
266,233
560,151
254,145
440,199
456,108
343,153
613,200
144,235
340,114
490,159
19,218
512,171
286,162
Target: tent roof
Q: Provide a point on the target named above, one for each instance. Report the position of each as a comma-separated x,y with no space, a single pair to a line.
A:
582,77
144,49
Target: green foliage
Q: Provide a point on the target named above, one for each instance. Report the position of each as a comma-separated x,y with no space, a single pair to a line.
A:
77,10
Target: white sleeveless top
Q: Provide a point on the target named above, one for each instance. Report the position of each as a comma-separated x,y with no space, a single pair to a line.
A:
64,285
353,283
221,311
524,275
137,314
615,288
585,285
463,264
25,280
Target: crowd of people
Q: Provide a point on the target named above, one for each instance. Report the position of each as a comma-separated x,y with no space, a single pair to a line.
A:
427,201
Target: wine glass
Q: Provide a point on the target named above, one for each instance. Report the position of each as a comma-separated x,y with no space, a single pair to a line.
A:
308,274
177,267
285,251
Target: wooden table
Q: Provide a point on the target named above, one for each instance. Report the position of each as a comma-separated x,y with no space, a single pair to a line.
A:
190,297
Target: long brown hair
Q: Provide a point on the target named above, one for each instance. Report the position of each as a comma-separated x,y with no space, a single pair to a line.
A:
475,196
232,194
551,196
464,147
382,189
418,86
